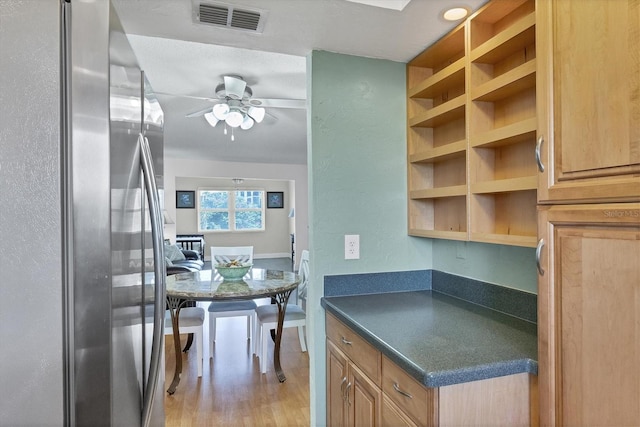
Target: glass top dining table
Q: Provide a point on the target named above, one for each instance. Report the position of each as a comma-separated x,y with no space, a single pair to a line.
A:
206,285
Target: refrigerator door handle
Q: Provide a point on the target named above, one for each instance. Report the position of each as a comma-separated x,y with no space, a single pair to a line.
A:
155,213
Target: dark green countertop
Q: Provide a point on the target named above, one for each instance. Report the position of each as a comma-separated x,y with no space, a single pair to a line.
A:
437,339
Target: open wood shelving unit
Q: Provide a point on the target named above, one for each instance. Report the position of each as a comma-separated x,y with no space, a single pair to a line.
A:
472,128
437,141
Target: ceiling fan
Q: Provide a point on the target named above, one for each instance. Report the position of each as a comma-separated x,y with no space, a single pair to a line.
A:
236,107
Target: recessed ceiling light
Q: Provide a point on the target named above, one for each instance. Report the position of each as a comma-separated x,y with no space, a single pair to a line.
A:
455,13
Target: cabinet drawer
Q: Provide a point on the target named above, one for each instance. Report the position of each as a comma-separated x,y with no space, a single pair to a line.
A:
361,353
414,399
393,416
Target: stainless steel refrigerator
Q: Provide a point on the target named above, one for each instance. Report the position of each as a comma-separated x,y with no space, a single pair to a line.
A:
81,254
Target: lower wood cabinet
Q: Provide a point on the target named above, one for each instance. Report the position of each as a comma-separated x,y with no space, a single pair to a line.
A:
394,416
365,388
589,315
354,400
337,367
417,402
500,401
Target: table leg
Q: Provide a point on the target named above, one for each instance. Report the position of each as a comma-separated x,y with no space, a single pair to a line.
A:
281,300
175,304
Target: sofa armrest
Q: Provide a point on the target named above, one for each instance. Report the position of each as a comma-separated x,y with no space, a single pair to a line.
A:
175,269
189,254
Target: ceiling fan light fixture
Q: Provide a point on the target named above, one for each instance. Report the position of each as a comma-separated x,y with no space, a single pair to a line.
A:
247,123
211,119
234,118
236,108
220,111
257,114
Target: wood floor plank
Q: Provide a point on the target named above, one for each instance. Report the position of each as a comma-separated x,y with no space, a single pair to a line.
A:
232,392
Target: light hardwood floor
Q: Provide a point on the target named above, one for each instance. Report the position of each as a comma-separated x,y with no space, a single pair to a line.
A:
232,392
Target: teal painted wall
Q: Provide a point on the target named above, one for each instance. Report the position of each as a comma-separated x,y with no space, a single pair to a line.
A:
509,266
357,178
357,185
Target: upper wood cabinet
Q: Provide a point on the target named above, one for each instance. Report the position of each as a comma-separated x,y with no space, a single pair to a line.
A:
472,130
588,91
502,123
436,140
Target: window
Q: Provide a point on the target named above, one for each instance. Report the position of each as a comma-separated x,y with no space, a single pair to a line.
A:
223,210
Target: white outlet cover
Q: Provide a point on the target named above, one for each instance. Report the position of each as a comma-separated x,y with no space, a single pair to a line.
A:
352,246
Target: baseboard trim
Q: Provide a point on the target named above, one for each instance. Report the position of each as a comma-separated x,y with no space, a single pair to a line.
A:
276,255
262,256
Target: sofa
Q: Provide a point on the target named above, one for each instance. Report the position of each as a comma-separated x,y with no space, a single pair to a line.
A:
180,260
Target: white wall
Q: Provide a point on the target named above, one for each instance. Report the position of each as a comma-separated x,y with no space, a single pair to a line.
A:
273,242
175,168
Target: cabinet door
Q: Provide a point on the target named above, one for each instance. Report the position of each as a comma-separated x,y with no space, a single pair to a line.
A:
588,103
589,315
393,416
336,386
363,400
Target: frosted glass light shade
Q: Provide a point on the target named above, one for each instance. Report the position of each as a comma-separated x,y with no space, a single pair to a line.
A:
247,123
234,119
211,119
257,113
220,111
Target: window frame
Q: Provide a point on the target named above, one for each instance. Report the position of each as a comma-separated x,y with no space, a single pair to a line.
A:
231,210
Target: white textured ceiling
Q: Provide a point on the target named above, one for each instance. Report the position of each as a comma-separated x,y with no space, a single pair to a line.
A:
185,60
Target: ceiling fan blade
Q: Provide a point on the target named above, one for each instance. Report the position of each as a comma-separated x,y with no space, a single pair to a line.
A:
234,87
199,112
271,116
279,103
174,95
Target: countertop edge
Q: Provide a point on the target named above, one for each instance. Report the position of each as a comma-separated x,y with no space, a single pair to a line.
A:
436,378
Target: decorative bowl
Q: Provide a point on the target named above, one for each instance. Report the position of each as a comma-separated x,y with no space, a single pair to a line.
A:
233,272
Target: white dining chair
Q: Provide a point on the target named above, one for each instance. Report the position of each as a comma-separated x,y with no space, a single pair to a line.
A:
295,316
230,308
303,272
190,321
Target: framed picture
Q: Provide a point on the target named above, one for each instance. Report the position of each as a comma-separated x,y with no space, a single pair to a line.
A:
275,199
185,199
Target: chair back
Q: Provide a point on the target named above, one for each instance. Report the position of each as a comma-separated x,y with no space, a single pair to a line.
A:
303,272
225,254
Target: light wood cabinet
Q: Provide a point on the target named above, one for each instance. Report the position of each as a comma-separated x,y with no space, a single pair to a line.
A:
394,416
589,315
353,397
414,400
337,366
501,401
397,399
472,130
588,100
436,140
497,401
502,124
588,89
354,400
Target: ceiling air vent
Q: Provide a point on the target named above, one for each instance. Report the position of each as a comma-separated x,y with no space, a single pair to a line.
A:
212,14
245,19
229,16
